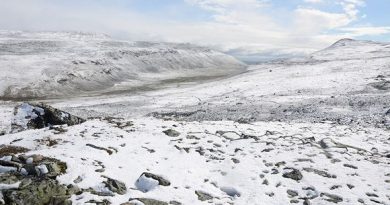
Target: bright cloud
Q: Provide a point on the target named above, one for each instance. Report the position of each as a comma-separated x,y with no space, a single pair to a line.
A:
245,27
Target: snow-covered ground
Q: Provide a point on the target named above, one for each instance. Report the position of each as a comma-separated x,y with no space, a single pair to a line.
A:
309,131
207,156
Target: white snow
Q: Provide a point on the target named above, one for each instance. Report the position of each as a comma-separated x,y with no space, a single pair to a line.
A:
68,64
42,169
146,184
24,113
236,163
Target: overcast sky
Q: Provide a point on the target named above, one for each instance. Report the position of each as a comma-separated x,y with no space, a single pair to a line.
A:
241,27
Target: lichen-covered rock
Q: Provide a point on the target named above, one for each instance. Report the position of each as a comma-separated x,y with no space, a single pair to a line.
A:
40,115
37,192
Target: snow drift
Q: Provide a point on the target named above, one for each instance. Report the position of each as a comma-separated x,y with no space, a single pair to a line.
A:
55,64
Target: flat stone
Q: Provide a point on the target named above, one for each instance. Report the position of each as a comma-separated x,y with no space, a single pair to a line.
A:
171,133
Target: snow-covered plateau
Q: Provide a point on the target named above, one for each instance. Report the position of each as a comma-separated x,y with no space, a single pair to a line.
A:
313,130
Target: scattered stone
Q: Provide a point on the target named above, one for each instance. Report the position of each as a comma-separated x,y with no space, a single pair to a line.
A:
292,193
371,194
265,182
100,148
279,164
332,197
171,133
350,186
160,179
350,166
335,187
78,180
103,202
147,201
235,161
292,173
320,172
175,203
203,196
270,194
294,201
115,185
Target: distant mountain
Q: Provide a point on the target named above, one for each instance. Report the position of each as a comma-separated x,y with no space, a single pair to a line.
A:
346,49
55,64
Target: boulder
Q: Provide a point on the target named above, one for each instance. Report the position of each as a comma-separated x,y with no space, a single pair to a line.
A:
292,173
38,191
40,115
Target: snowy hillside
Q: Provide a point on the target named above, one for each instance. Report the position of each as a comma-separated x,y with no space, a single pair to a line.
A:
303,131
60,64
348,49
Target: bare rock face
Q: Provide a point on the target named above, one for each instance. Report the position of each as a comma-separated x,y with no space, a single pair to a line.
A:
40,115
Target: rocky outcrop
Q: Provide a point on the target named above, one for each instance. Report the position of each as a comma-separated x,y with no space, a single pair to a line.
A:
32,180
40,115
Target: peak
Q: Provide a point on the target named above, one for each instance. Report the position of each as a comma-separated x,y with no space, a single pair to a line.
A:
343,42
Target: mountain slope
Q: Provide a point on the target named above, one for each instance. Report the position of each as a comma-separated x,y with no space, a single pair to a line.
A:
38,65
348,49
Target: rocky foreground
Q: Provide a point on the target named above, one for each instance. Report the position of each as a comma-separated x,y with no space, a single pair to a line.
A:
151,161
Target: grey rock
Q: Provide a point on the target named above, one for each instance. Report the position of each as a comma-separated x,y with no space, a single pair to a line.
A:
320,172
292,193
78,180
371,194
175,203
203,196
332,197
115,185
44,116
147,201
292,173
38,192
350,166
294,201
171,133
160,179
103,202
